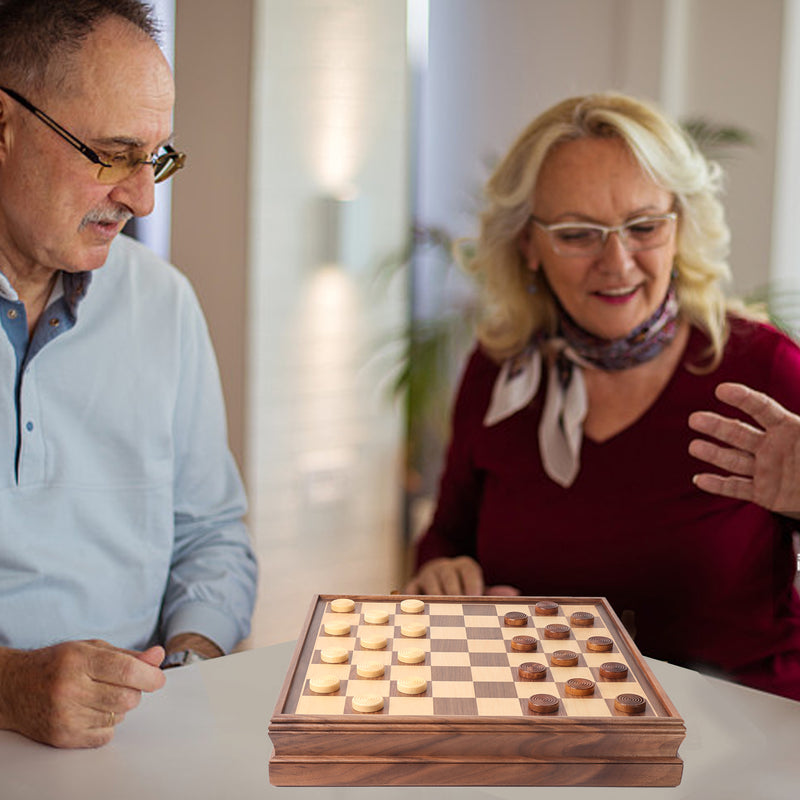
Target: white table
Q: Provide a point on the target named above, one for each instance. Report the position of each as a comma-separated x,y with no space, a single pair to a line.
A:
205,736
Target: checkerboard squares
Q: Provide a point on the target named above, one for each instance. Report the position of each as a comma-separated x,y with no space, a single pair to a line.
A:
454,689
340,671
563,674
437,632
609,690
411,706
492,674
321,704
324,640
500,707
401,671
370,656
586,707
450,659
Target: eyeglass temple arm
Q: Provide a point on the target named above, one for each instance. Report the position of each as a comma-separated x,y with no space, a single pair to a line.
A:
52,124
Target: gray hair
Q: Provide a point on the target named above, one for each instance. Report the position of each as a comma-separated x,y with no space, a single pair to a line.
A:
38,37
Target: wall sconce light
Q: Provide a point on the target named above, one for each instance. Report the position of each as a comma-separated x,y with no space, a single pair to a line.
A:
342,233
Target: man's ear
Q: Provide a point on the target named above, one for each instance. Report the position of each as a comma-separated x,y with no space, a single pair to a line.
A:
5,129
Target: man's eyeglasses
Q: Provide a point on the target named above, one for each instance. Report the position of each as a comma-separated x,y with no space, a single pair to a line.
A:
582,239
115,168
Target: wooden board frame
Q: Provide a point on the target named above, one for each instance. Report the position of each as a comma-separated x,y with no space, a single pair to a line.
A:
386,749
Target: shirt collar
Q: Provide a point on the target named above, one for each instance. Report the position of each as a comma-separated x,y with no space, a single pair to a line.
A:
73,286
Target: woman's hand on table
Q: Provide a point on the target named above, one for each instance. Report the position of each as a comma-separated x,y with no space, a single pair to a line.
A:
461,575
764,461
454,576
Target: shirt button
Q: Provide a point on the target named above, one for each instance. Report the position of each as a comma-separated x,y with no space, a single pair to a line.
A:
12,313
55,322
29,426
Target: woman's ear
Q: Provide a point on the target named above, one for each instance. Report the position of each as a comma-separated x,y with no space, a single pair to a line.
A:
527,246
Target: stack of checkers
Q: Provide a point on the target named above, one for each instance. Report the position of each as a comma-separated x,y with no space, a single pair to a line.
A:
420,658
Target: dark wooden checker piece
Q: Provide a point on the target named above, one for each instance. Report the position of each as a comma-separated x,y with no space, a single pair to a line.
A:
579,687
546,608
582,619
613,671
630,703
523,644
564,658
556,631
532,671
599,644
543,703
515,619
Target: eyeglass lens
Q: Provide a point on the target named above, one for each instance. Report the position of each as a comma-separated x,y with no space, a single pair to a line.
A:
120,167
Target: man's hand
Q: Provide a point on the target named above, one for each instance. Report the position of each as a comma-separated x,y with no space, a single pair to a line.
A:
765,460
461,575
73,694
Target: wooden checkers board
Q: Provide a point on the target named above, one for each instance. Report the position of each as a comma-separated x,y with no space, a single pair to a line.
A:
469,711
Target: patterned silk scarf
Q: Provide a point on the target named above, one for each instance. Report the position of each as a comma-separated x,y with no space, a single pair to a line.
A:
566,405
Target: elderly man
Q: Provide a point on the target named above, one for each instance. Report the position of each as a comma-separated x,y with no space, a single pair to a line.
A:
122,547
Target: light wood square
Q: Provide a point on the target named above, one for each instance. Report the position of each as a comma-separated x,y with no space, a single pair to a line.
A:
478,621
367,656
412,619
447,633
410,706
612,689
324,641
492,674
441,608
487,646
450,659
563,674
596,659
452,689
529,688
401,671
340,671
586,707
321,704
499,707
367,686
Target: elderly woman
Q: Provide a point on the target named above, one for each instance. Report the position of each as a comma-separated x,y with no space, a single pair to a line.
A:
601,254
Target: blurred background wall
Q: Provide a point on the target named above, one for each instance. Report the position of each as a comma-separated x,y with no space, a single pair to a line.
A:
319,130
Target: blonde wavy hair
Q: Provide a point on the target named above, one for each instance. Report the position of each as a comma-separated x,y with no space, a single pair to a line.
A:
512,313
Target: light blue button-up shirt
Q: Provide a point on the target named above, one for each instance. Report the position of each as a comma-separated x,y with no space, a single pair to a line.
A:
120,504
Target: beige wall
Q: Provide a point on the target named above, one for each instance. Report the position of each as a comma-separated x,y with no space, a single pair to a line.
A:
210,201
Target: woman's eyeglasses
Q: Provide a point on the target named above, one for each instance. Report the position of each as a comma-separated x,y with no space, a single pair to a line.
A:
115,168
581,239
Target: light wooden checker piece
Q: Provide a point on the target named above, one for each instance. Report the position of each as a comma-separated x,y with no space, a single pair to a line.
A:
470,672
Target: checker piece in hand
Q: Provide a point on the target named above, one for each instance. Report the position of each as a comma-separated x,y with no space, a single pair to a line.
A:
523,644
543,703
515,618
556,631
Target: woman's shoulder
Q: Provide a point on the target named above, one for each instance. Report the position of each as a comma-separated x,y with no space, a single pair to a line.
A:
748,335
759,355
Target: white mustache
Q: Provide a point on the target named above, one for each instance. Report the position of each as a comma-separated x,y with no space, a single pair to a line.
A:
107,215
